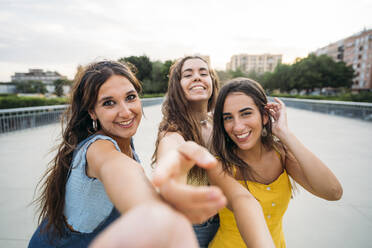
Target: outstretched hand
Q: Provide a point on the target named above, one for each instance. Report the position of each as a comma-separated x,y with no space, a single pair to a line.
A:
279,113
197,203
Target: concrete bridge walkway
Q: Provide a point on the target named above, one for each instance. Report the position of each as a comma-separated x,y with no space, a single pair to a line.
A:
344,144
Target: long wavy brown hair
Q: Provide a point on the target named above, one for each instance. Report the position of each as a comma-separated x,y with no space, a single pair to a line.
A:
76,126
178,117
222,145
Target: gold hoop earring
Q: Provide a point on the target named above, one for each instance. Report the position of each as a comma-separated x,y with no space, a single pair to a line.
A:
264,132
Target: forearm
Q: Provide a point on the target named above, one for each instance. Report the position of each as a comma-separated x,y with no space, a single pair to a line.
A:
320,179
173,155
167,151
168,229
126,185
251,222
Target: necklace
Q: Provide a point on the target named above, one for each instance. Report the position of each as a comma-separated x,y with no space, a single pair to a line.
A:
205,121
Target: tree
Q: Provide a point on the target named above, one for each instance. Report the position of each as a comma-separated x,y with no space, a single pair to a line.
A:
252,74
344,75
306,74
280,79
321,71
153,75
223,76
58,86
237,73
31,86
142,66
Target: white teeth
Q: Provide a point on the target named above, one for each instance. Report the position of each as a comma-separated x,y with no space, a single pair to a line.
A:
197,88
125,122
242,136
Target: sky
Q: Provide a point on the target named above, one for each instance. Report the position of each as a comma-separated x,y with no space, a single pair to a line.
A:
58,35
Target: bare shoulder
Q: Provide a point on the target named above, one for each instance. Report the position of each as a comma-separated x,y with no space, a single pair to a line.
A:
100,148
101,152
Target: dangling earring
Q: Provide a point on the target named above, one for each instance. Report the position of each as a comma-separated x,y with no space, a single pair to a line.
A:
264,132
94,125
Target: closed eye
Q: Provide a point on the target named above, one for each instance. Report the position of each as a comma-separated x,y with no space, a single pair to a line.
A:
246,113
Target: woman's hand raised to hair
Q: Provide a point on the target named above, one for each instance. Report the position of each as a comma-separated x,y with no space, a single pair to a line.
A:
279,113
197,203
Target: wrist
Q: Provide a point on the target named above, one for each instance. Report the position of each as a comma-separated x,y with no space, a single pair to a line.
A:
285,136
281,133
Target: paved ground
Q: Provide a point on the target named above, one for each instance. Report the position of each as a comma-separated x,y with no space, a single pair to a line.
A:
344,144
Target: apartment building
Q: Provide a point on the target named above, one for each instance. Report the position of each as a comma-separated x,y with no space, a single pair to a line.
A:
355,50
259,63
47,77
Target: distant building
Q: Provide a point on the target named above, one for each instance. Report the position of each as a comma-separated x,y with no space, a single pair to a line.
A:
355,50
47,77
7,88
259,63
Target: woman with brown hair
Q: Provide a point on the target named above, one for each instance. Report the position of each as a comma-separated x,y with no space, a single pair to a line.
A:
253,143
187,110
96,176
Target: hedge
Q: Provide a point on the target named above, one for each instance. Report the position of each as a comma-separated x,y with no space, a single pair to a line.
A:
13,101
24,101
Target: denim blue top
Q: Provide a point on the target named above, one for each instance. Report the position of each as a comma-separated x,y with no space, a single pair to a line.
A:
87,207
86,202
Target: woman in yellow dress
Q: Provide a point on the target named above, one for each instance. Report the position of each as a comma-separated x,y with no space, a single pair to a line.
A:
254,145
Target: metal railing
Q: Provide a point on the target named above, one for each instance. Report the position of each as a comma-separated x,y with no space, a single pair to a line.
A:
22,118
359,110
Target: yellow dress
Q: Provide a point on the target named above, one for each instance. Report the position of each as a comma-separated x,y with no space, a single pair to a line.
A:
274,199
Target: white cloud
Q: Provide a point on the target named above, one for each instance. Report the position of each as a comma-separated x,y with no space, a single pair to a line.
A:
59,35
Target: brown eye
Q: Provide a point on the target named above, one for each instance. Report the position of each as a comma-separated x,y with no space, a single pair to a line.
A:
131,97
108,103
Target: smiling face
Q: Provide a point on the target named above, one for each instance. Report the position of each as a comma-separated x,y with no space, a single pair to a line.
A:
118,108
242,120
196,81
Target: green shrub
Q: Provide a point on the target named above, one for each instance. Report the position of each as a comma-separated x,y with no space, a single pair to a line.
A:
23,101
152,95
